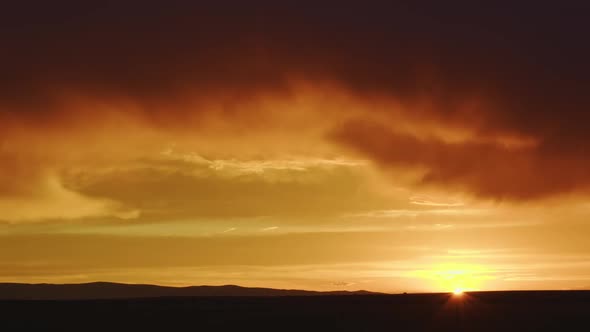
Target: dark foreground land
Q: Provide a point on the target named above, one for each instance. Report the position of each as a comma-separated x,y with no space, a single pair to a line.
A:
488,311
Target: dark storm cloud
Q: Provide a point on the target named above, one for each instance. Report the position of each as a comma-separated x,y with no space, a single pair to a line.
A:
485,169
527,63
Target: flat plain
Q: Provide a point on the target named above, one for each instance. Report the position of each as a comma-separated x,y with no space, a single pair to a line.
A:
478,311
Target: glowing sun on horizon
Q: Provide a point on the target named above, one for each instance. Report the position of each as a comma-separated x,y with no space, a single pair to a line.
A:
455,277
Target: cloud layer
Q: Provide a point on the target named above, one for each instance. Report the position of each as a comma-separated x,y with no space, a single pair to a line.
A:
483,99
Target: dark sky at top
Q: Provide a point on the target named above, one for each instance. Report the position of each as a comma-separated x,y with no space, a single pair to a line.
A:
527,61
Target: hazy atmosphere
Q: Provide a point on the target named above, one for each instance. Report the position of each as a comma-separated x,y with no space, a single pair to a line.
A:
387,147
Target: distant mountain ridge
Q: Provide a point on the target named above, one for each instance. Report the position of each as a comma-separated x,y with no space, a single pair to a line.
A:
110,290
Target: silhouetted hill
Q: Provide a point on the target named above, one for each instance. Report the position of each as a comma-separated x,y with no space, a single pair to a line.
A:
108,290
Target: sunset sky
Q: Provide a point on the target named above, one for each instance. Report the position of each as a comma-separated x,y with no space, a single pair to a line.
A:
414,147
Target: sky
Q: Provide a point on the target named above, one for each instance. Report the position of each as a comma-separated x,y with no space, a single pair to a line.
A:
397,147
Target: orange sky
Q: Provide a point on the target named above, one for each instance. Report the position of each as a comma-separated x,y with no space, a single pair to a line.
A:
389,148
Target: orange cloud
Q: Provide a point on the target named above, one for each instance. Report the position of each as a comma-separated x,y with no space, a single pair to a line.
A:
464,99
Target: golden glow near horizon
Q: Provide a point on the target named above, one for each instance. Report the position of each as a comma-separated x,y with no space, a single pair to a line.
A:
275,145
456,276
304,183
280,208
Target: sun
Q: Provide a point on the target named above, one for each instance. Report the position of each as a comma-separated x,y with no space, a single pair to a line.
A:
455,278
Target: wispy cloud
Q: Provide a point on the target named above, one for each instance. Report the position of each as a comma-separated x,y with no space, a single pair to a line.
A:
54,201
260,166
396,213
428,201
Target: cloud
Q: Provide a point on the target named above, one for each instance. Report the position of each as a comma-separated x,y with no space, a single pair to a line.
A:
168,190
484,169
481,98
427,201
237,167
415,213
53,201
